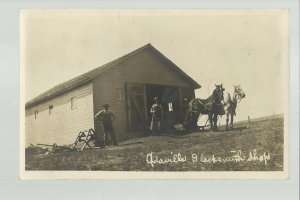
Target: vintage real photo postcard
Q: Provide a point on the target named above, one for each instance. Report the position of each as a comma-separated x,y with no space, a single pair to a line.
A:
154,94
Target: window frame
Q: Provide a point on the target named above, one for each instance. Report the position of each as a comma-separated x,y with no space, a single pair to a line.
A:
170,107
50,109
36,112
73,103
121,94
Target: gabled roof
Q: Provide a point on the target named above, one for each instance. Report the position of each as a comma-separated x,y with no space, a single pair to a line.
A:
89,76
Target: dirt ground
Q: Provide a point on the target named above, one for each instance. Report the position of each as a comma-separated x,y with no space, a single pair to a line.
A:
257,146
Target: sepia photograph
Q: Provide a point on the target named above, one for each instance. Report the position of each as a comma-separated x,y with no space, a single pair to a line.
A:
154,93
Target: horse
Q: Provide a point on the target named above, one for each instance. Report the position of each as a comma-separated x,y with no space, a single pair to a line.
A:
212,106
231,104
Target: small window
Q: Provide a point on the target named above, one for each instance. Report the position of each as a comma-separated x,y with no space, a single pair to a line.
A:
50,109
120,94
73,103
170,106
36,114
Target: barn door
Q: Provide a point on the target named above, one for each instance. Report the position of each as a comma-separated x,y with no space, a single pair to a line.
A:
136,103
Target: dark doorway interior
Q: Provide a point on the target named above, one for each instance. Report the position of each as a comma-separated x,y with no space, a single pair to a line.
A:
170,99
140,97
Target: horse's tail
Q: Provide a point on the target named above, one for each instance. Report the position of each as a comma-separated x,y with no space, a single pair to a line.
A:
192,113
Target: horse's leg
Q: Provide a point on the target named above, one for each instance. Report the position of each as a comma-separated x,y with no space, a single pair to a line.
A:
231,121
215,121
194,120
210,121
227,119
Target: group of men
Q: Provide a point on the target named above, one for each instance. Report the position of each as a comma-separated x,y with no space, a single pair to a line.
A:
106,117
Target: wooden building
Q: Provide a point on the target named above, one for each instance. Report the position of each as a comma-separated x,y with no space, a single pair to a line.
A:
128,84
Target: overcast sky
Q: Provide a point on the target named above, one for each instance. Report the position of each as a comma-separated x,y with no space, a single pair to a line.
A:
246,47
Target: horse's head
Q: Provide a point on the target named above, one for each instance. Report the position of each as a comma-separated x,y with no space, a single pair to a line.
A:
220,90
239,91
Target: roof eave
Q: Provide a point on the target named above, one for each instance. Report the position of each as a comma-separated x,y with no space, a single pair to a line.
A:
34,103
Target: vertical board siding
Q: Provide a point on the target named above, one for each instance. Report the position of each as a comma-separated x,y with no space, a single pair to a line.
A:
144,67
64,123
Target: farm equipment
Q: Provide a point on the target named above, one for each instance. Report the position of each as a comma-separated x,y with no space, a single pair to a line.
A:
54,148
84,137
40,149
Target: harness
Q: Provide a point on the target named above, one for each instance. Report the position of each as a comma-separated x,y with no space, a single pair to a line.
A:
232,103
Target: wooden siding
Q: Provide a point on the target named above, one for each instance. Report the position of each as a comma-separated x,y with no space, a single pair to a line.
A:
144,67
64,123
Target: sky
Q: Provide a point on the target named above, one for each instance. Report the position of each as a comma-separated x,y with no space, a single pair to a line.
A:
244,47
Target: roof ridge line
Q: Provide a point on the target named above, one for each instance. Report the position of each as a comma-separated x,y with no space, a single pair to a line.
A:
109,65
92,74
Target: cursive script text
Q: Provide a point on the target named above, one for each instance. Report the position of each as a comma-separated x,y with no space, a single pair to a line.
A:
174,158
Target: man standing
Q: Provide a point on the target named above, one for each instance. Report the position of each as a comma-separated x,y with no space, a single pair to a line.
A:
157,113
106,117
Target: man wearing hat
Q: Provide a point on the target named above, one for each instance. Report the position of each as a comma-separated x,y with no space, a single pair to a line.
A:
157,113
107,118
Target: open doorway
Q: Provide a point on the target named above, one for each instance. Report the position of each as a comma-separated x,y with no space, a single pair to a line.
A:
140,97
169,97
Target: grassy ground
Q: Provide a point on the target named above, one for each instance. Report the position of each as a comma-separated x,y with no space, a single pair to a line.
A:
264,136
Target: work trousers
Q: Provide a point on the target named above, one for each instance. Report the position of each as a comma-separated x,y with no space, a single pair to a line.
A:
109,130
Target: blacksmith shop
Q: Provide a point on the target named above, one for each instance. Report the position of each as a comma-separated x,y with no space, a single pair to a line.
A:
128,84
